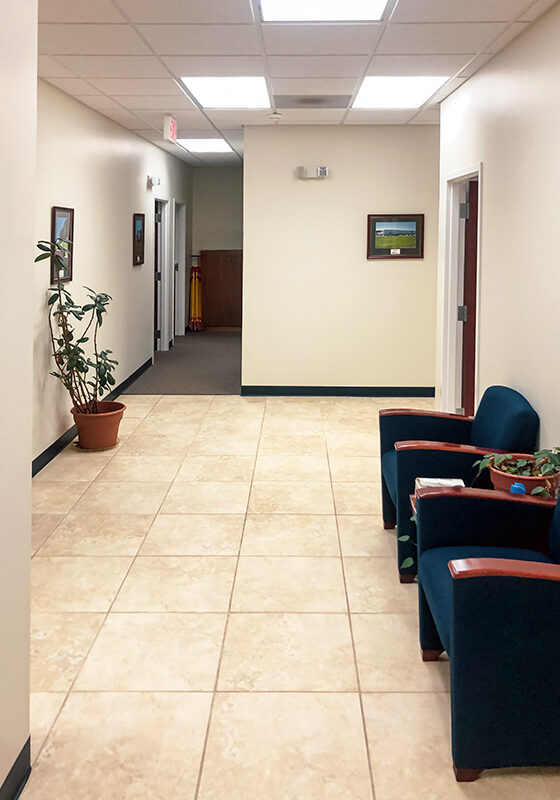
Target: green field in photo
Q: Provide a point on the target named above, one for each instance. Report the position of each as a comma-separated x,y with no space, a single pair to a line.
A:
395,242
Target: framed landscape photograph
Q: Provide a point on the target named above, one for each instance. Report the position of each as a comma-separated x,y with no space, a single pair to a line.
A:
395,236
62,232
137,239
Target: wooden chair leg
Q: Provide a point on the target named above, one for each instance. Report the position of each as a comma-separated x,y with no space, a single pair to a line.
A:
389,526
407,578
431,655
466,775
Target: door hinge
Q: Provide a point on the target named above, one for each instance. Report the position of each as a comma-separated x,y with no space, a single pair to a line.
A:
158,276
177,267
464,210
461,313
158,216
158,334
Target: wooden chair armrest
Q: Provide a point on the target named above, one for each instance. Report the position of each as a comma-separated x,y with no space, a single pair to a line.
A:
502,567
415,412
422,444
480,494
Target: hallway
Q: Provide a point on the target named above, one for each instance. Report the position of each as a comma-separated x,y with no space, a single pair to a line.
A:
207,363
216,615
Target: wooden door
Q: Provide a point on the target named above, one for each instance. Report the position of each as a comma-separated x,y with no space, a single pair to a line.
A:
469,298
222,277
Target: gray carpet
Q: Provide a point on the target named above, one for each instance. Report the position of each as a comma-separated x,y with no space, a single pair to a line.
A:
200,363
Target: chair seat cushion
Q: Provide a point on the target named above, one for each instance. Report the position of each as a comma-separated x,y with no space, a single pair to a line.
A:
437,582
389,470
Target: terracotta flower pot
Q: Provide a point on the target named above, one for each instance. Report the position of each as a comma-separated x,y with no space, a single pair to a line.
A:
99,431
502,481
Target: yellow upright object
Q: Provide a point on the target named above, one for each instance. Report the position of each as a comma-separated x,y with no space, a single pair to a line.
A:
195,318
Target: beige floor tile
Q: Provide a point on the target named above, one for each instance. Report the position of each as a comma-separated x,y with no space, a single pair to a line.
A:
126,428
288,652
85,534
194,535
357,498
352,444
357,469
171,652
59,644
153,444
291,498
290,535
373,586
409,739
286,746
207,498
181,430
42,525
138,405
123,468
290,424
389,658
190,403
74,465
230,425
124,497
275,583
551,778
225,444
119,746
44,706
55,497
76,583
217,468
188,583
363,535
229,403
292,444
292,468
309,408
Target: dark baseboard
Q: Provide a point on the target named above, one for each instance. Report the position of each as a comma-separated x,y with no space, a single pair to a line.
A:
18,775
63,441
340,391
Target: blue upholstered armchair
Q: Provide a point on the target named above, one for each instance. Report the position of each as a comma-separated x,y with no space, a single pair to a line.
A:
429,444
489,594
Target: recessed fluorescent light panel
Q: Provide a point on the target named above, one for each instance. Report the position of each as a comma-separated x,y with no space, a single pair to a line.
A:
205,145
229,92
397,92
322,10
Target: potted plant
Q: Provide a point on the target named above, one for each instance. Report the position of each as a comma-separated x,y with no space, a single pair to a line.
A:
539,472
87,377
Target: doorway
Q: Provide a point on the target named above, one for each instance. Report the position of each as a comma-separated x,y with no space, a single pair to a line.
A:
180,270
467,308
163,279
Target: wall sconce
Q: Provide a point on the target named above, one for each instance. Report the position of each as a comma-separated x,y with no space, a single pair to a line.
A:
153,180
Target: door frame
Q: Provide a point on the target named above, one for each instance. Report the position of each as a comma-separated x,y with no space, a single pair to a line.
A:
180,275
451,287
167,279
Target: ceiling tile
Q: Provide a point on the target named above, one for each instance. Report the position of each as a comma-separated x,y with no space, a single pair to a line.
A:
193,11
48,67
215,66
140,86
321,39
204,40
314,85
156,103
78,11
458,10
379,117
192,120
123,117
535,11
235,119
91,40
98,101
317,66
115,66
507,36
72,86
418,65
429,116
456,38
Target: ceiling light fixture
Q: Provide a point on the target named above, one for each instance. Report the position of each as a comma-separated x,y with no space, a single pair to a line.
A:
205,145
397,92
219,93
322,10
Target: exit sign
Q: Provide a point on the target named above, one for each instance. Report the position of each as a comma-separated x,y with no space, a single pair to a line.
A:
170,128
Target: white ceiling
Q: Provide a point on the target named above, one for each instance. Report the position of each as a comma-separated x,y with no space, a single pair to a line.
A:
124,58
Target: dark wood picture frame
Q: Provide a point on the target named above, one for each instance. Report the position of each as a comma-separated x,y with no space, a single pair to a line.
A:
138,239
404,235
62,227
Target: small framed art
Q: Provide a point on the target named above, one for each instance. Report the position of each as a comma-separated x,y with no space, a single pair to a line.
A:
138,222
395,236
62,232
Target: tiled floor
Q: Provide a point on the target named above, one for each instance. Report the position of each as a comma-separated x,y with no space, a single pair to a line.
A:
216,615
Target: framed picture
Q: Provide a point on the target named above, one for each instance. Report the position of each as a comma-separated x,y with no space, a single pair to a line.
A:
62,232
395,236
138,221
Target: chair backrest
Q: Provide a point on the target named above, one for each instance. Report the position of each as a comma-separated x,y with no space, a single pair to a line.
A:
505,420
554,535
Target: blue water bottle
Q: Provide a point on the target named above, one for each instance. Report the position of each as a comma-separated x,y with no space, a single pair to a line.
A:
517,488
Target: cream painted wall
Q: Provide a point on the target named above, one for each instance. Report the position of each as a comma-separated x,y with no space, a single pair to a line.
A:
316,312
507,117
217,208
89,163
18,46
